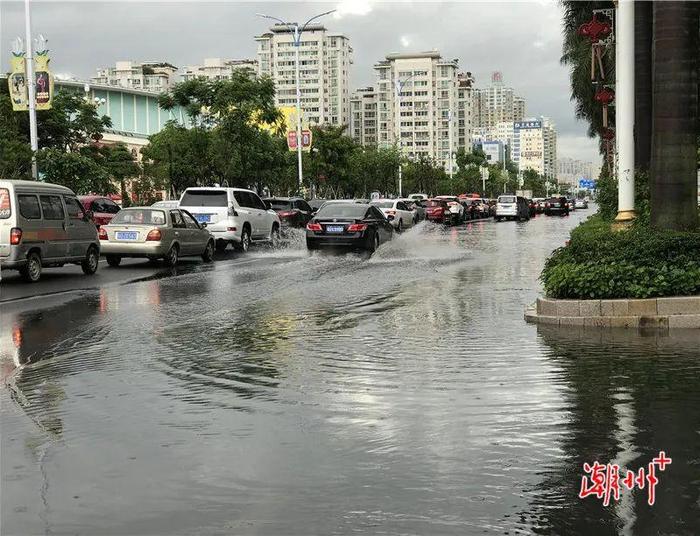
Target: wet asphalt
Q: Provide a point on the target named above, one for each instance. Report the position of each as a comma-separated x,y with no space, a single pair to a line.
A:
287,393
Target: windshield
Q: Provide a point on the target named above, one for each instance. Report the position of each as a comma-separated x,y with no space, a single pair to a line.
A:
278,204
140,216
383,204
506,199
342,210
435,203
204,198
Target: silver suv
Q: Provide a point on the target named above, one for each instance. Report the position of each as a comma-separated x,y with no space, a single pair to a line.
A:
233,215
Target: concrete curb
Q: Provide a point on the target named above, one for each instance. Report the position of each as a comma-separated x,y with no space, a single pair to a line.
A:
654,313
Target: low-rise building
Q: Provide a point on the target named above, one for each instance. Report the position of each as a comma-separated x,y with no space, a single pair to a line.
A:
218,68
154,76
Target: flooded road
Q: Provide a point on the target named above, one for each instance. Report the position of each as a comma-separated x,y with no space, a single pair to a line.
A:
331,394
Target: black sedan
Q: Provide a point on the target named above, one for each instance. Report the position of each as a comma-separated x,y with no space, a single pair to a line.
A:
292,211
556,205
348,226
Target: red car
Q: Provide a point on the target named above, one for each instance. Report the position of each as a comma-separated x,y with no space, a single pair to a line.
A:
437,210
103,209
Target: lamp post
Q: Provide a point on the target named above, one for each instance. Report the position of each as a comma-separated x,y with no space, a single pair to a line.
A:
399,88
33,137
296,32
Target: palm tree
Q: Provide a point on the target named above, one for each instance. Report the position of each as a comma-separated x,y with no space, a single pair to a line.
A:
643,31
675,115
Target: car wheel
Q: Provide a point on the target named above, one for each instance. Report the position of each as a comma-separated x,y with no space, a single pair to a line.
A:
114,260
245,240
400,226
208,254
171,257
31,272
221,245
91,261
275,237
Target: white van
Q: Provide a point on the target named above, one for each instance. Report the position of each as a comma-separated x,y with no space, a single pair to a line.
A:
233,215
44,225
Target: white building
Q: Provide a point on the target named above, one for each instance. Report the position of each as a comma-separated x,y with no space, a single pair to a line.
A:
535,146
497,103
570,171
423,106
363,116
147,76
494,151
324,64
218,68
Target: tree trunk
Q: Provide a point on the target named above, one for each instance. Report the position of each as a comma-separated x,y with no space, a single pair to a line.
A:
675,116
643,27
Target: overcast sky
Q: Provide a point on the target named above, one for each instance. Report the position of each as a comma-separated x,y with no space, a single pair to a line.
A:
520,39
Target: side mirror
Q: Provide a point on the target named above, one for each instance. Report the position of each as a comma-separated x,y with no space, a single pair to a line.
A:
88,215
203,225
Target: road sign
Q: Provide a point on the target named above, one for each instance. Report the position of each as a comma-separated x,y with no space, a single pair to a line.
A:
586,183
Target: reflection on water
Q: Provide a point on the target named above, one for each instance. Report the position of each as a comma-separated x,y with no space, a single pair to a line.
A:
299,394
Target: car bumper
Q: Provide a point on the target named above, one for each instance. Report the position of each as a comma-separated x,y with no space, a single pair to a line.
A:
141,249
357,241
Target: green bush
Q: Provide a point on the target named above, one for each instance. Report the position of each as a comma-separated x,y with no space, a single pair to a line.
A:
636,263
606,196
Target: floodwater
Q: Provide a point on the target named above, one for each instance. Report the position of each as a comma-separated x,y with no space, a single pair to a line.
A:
332,394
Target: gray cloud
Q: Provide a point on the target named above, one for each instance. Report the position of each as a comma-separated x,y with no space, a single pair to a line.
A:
521,39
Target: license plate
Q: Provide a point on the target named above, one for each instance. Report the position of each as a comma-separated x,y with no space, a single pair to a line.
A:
127,235
203,218
335,228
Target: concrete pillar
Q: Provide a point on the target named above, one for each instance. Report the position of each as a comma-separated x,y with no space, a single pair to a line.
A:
624,114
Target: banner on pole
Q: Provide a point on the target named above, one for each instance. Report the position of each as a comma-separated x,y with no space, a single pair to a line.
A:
17,83
42,76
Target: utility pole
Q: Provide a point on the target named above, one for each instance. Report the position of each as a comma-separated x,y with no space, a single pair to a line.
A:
296,32
29,62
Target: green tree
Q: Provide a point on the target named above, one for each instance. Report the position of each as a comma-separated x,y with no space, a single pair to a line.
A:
535,182
120,165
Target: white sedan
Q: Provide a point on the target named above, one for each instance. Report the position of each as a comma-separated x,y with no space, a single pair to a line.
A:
397,212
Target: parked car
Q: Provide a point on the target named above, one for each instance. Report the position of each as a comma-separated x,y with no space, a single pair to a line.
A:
532,206
396,211
539,204
315,204
581,203
481,206
348,225
44,225
512,207
455,207
153,233
102,208
292,211
556,206
168,203
233,215
438,211
571,203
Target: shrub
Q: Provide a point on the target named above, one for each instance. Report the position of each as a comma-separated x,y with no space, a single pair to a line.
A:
637,263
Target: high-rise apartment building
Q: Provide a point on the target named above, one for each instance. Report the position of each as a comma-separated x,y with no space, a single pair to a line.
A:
423,105
569,171
535,146
153,76
497,103
324,65
363,116
218,68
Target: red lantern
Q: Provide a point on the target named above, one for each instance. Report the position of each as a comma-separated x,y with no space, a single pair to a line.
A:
596,30
605,96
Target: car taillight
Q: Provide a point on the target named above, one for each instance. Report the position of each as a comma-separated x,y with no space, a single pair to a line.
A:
357,227
15,236
102,234
286,214
313,226
153,235
546,205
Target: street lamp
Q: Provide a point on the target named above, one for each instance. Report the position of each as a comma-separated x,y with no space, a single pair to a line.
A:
296,32
399,88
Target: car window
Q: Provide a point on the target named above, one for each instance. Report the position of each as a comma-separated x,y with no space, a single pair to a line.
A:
5,208
178,222
109,206
29,207
303,205
74,208
280,204
205,198
242,199
190,222
96,206
402,206
256,202
52,207
139,216
375,213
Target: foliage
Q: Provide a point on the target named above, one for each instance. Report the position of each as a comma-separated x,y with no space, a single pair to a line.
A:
535,182
606,196
331,158
82,171
637,263
376,169
425,175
